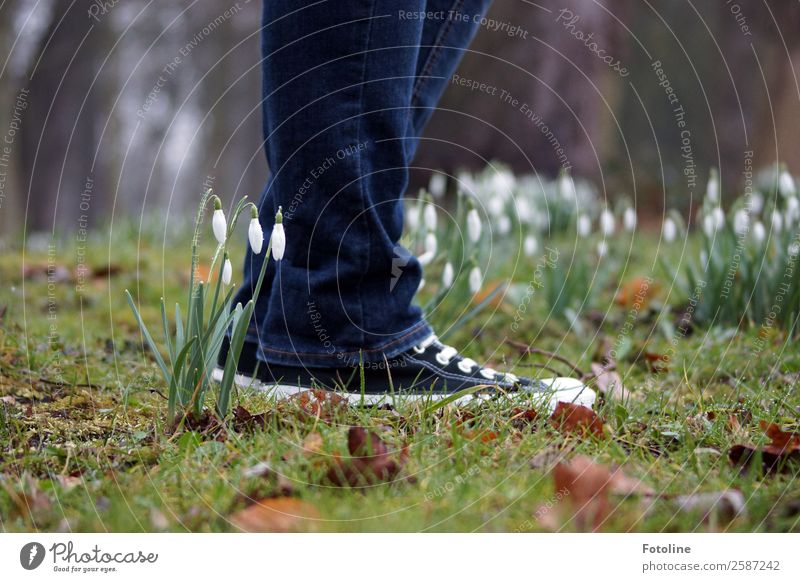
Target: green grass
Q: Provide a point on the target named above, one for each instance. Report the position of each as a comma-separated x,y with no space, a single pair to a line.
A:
85,446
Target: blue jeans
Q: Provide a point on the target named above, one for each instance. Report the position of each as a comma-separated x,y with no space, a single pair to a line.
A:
348,86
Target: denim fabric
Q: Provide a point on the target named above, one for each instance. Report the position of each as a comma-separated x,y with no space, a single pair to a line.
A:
348,86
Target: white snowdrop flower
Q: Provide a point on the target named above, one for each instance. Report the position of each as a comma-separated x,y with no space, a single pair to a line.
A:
584,226
756,202
566,187
629,219
227,272
448,275
504,224
473,225
530,246
475,280
503,183
669,230
421,285
712,188
777,222
719,217
425,259
607,223
437,185
602,249
431,243
496,206
708,225
254,232
430,216
792,210
793,249
759,232
786,185
741,221
412,220
218,223
524,209
278,239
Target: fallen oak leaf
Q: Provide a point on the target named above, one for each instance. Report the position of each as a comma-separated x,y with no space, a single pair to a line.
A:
780,455
573,418
278,514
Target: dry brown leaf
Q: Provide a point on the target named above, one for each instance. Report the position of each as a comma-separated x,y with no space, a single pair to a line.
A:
609,382
576,419
780,455
320,404
279,515
636,290
312,444
370,462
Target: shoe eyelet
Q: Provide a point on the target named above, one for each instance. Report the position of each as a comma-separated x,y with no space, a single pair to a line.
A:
418,350
442,360
488,375
464,368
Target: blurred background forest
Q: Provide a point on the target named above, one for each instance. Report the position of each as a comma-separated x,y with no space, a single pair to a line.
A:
124,107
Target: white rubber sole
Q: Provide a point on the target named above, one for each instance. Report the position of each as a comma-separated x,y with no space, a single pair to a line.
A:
569,390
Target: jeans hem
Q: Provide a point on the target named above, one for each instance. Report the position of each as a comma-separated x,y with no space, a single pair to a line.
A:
389,349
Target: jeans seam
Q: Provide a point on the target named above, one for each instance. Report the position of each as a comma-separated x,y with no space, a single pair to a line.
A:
434,56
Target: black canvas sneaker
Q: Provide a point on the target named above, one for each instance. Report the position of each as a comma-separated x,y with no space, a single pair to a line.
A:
429,370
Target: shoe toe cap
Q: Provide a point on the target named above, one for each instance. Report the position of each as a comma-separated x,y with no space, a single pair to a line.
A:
569,390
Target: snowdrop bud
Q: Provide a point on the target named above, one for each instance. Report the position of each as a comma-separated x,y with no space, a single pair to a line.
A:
278,239
708,225
473,225
756,202
602,249
524,210
425,259
584,226
777,222
530,246
218,223
669,230
786,185
254,232
793,249
503,183
421,284
430,216
719,217
227,272
448,275
430,243
437,185
792,210
566,186
712,188
412,219
504,224
496,206
741,221
759,232
475,280
607,223
629,219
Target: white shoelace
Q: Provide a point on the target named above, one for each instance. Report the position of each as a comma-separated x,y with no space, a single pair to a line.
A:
446,354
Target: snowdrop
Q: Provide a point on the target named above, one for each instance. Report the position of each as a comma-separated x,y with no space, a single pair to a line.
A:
530,246
218,223
792,210
629,219
719,217
741,221
278,239
777,222
504,224
756,203
254,232
786,185
759,232
793,249
708,225
430,216
448,275
473,225
566,186
524,210
584,226
503,183
712,188
425,259
412,219
602,249
607,223
437,185
496,206
475,280
669,230
227,272
431,243
421,285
